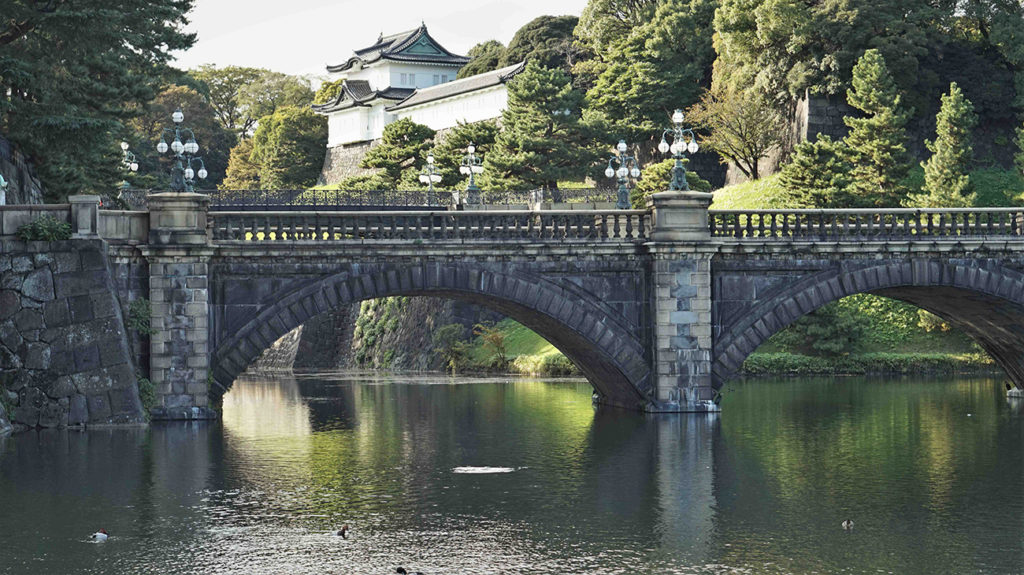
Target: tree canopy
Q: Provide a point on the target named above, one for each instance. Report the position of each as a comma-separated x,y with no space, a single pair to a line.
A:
241,96
546,40
72,74
947,183
483,57
543,139
289,147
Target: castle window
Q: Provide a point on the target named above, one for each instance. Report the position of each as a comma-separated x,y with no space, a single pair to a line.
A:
436,79
405,79
444,78
412,79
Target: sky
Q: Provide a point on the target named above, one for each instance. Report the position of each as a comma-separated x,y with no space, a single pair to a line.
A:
303,36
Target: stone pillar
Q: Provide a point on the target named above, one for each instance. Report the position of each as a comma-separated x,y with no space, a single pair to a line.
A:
85,214
178,253
681,252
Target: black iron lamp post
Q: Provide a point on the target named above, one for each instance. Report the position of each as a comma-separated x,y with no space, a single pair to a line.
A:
683,140
625,168
430,177
182,173
471,166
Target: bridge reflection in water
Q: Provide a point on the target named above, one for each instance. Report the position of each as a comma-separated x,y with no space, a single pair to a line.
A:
760,490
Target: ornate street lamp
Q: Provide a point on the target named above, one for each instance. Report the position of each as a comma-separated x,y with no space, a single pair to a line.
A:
182,174
683,140
471,166
625,168
430,177
128,161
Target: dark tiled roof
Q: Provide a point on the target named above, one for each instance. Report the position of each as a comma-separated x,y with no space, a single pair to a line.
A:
396,47
463,86
358,93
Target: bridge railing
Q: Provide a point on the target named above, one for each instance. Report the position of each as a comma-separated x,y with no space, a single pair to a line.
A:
866,223
489,225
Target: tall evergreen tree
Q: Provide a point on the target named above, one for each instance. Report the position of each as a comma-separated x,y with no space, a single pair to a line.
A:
947,183
289,147
818,175
546,40
660,65
877,141
449,152
403,148
71,75
543,139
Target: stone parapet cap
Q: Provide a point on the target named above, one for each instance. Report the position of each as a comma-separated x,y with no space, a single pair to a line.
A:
868,247
158,252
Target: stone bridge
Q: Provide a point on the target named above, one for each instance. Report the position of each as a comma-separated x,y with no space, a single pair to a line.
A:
658,307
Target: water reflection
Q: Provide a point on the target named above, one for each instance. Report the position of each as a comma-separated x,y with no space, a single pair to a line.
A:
927,470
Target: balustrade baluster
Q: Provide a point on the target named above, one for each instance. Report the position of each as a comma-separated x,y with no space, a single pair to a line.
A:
615,226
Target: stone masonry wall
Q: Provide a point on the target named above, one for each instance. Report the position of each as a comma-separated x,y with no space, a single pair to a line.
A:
64,356
342,162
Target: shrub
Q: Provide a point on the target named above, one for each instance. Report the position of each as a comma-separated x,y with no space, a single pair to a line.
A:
449,342
147,393
139,312
45,228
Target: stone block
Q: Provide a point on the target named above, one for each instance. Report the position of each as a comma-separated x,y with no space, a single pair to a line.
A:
125,401
28,319
93,260
51,415
80,308
112,352
63,386
103,305
10,304
99,407
38,285
87,358
56,313
37,356
67,262
78,410
21,264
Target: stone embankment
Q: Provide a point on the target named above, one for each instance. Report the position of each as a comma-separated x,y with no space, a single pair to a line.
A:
64,356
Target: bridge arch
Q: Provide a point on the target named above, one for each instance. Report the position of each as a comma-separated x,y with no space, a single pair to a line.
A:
984,298
591,334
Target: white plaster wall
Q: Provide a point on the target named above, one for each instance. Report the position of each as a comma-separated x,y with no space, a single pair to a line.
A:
347,126
475,107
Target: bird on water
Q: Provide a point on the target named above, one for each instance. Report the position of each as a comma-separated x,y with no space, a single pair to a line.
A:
100,535
343,532
848,524
402,571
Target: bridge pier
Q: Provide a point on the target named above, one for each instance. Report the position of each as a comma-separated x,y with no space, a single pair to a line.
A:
680,250
179,251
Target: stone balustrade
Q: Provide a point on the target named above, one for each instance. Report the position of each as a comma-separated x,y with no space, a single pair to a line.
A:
567,225
866,223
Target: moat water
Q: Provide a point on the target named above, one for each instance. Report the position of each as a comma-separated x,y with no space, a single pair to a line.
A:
470,476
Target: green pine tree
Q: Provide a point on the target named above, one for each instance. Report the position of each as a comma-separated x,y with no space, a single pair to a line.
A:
543,139
947,183
818,175
403,148
449,152
877,141
1018,158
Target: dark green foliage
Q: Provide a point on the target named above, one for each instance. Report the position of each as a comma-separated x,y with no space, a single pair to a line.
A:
947,183
71,74
1018,158
657,177
660,65
483,57
139,313
328,92
868,363
242,173
540,144
147,393
604,22
818,175
403,148
493,339
450,342
44,228
289,147
831,330
215,142
877,141
449,153
545,40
